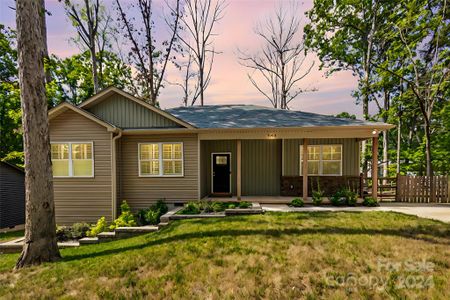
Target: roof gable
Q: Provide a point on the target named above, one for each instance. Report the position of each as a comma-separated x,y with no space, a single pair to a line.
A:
64,106
127,111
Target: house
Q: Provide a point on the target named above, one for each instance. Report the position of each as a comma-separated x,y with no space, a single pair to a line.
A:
115,147
12,195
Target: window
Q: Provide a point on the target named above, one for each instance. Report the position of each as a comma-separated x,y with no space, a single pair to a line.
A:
72,159
161,159
323,160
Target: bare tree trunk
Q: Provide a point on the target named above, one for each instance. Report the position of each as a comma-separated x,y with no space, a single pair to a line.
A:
40,228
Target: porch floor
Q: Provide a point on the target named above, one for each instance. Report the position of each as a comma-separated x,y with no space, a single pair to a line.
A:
262,199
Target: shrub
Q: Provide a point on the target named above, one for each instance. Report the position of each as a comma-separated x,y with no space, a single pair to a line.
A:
74,232
369,201
161,206
297,202
191,208
231,206
152,216
244,204
101,226
344,197
218,206
126,218
206,206
339,198
79,230
317,195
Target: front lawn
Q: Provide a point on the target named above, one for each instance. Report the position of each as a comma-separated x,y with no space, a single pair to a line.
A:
11,235
276,255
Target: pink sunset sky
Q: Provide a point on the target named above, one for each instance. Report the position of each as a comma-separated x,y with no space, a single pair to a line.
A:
229,84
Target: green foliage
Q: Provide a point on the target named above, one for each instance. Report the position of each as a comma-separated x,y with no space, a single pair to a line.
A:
297,202
317,194
74,232
232,206
344,197
218,206
191,208
101,226
345,115
151,215
244,204
369,201
11,144
126,218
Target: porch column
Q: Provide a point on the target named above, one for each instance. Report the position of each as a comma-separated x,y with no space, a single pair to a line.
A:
375,168
238,167
305,169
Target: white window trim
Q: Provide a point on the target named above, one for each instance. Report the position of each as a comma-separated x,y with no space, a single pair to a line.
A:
161,164
320,160
71,161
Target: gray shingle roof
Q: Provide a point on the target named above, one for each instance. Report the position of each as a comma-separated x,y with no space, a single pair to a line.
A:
252,116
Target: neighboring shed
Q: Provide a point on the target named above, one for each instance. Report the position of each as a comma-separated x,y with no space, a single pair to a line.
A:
12,195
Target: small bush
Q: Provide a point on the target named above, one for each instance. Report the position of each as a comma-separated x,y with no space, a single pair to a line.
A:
101,226
206,206
339,198
218,206
191,208
74,232
161,206
126,218
369,201
232,206
317,197
244,204
297,202
152,216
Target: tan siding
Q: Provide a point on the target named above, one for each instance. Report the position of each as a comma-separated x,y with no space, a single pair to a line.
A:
83,199
125,113
141,192
350,155
261,167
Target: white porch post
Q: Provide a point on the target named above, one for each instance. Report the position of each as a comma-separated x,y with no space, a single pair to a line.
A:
238,171
305,169
375,168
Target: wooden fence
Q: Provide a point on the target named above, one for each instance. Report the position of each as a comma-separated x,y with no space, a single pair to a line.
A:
417,189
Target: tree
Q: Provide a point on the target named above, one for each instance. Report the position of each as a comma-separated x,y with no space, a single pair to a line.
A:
149,61
11,148
345,115
72,76
40,227
87,19
344,35
199,19
281,61
420,31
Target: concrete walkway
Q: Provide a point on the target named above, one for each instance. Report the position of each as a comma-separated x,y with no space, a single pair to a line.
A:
440,212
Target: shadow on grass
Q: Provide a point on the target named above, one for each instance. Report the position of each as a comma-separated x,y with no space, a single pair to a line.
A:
407,232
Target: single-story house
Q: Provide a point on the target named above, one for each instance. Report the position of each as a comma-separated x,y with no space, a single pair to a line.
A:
12,195
115,147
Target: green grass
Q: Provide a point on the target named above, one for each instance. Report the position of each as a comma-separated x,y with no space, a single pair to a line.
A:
8,236
262,256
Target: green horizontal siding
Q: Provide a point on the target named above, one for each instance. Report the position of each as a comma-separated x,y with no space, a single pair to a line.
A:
125,113
350,155
261,167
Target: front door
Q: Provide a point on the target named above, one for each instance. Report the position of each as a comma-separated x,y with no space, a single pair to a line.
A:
221,173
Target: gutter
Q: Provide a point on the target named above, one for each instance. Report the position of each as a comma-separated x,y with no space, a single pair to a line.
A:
114,173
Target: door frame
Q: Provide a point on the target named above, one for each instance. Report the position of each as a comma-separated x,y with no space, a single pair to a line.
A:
212,170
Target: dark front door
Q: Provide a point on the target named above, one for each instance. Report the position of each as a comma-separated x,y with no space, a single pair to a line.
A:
221,171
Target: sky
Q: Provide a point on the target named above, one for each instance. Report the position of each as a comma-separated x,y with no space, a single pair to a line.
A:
229,84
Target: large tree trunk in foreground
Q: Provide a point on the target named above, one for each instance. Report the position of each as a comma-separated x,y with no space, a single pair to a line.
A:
40,228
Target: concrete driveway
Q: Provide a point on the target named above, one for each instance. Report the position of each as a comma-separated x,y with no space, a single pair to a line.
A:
440,212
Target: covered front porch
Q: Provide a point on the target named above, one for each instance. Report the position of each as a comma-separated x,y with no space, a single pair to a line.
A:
266,167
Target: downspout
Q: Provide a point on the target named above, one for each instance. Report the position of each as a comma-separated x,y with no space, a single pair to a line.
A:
114,175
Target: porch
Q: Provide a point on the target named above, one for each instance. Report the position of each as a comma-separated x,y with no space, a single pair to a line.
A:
270,170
